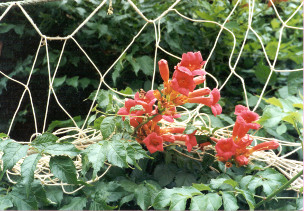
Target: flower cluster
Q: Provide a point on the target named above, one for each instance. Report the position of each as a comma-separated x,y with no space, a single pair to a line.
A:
235,148
148,108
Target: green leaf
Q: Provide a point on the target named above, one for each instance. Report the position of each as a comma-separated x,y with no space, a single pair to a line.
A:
262,72
13,152
59,81
116,153
146,65
3,135
143,196
59,149
275,23
73,81
77,203
28,168
5,202
298,105
178,202
64,169
229,201
65,123
164,174
126,199
45,139
134,152
231,182
189,129
274,101
21,201
271,116
107,126
163,198
248,197
46,143
254,183
3,143
84,82
293,118
196,202
210,201
271,180
97,156
185,179
201,187
281,129
54,194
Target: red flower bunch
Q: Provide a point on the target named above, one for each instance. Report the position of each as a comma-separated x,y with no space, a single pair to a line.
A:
235,148
145,115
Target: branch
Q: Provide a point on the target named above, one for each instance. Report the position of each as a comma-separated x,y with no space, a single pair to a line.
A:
283,187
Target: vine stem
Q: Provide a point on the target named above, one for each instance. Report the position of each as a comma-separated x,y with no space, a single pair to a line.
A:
141,124
279,189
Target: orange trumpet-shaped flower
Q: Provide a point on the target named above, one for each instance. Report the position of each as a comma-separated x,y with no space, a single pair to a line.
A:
199,92
241,160
244,122
225,149
154,142
164,70
265,146
199,79
182,80
192,60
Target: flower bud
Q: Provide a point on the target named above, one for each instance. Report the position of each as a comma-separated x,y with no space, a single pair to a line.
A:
164,70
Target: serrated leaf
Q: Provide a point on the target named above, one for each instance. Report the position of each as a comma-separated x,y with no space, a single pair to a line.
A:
73,81
59,81
210,201
178,202
77,203
271,180
3,135
185,179
293,118
231,182
143,196
21,201
201,187
3,143
271,117
196,202
274,101
54,194
97,156
116,153
164,174
262,73
107,126
281,129
254,183
229,201
64,169
248,197
163,198
28,168
5,202
44,139
126,199
13,152
298,105
189,129
146,65
59,149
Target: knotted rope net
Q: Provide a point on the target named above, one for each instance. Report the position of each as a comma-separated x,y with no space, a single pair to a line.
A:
83,137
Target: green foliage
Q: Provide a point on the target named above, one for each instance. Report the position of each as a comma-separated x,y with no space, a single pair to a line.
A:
134,180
